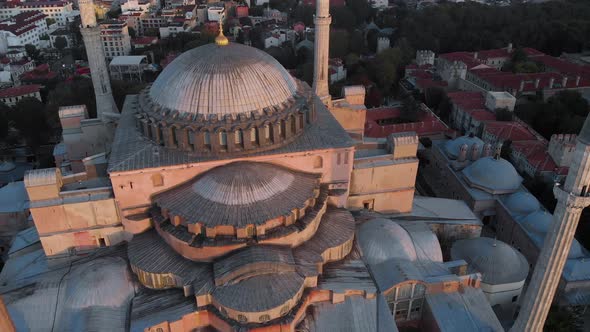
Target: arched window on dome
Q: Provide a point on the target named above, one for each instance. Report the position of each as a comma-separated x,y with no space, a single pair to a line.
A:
223,139
150,133
293,124
301,121
174,133
239,138
283,129
190,139
268,133
207,139
160,134
307,116
254,136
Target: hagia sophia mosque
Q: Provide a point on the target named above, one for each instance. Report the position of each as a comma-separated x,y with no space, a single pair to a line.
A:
230,196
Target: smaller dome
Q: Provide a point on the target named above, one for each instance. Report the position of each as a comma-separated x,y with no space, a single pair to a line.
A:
522,203
496,176
382,239
453,147
491,257
538,224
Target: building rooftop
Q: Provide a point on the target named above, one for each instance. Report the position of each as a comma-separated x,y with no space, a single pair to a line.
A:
13,197
128,60
20,90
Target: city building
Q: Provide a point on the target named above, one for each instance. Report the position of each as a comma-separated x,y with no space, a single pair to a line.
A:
59,11
128,68
337,70
11,96
115,38
22,29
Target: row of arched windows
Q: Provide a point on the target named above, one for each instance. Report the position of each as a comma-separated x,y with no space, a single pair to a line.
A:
241,139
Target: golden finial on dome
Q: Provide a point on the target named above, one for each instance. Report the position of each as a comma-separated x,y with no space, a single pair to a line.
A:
221,39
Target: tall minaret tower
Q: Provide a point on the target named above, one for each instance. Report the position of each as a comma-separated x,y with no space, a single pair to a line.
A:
321,50
105,103
572,197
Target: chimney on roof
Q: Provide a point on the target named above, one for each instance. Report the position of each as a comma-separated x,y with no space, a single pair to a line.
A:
521,88
463,153
537,81
551,81
498,151
487,150
564,82
474,155
509,48
578,80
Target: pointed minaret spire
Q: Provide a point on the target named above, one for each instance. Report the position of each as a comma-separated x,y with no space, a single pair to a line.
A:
571,200
105,103
321,50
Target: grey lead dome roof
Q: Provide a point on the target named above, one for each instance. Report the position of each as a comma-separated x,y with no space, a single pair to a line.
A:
496,176
498,262
222,80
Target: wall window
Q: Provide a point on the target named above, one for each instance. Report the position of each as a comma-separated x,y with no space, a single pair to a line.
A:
282,129
191,138
223,139
174,133
238,137
157,180
207,139
317,162
254,136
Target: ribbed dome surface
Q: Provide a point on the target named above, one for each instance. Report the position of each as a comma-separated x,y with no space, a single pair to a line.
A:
221,80
383,239
522,203
239,194
498,262
453,147
243,183
493,175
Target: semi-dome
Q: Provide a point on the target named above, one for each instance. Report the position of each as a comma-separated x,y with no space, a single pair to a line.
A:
240,194
453,147
522,203
382,239
491,257
222,80
496,176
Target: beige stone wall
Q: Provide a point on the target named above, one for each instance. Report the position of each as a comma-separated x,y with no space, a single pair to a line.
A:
351,117
134,189
75,216
82,240
384,178
386,202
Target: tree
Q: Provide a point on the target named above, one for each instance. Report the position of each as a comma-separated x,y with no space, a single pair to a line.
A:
4,120
410,111
304,14
60,43
386,68
132,32
240,38
30,120
343,18
361,8
503,114
357,42
49,21
338,43
32,51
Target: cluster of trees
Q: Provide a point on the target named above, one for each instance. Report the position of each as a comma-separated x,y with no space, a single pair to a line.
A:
552,27
563,113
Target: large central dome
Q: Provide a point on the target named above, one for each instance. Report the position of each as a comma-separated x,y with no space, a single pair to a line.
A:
222,80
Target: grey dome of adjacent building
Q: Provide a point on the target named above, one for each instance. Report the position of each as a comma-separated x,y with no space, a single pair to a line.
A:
491,258
222,80
538,225
496,176
453,147
382,239
522,203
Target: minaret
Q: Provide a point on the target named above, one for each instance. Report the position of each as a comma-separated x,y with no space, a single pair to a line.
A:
571,199
105,103
321,50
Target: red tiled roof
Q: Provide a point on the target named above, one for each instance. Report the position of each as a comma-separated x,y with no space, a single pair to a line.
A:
144,40
512,130
19,90
424,83
428,125
564,66
22,22
536,154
